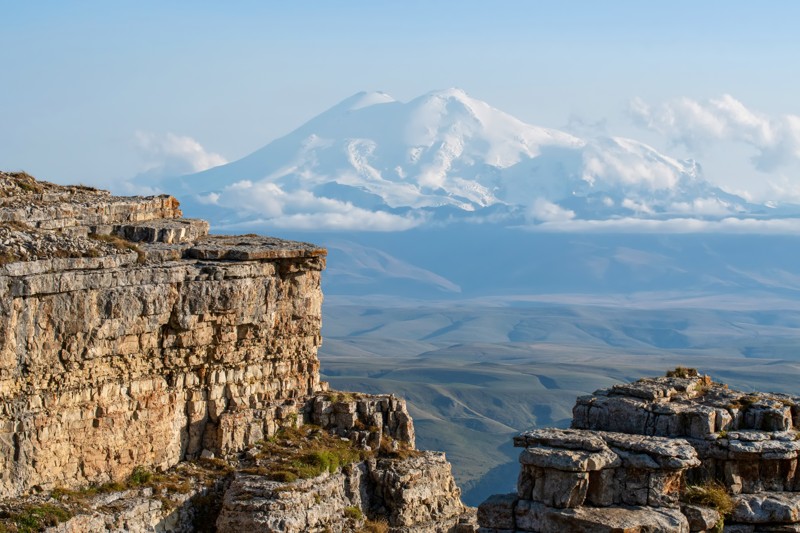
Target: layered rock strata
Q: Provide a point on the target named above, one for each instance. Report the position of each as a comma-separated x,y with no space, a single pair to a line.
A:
572,478
130,338
705,434
414,494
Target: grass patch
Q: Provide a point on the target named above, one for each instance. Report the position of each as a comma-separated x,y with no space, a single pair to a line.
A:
8,257
120,244
682,372
711,494
302,453
32,518
374,526
394,449
180,480
743,402
140,476
26,183
325,460
284,476
353,513
17,225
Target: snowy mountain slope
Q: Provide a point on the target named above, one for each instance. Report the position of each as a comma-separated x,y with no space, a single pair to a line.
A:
373,163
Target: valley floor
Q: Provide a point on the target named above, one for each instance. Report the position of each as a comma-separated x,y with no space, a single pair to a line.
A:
477,372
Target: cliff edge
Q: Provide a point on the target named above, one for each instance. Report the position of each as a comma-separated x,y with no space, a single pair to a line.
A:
154,377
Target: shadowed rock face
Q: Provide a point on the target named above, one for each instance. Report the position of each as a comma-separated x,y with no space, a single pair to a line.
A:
635,447
131,338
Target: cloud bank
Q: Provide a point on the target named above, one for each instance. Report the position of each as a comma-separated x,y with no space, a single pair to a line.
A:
174,155
696,124
303,210
784,226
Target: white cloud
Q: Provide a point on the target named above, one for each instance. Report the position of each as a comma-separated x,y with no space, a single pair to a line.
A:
785,189
299,209
696,124
545,211
616,161
173,155
638,207
784,226
356,219
703,206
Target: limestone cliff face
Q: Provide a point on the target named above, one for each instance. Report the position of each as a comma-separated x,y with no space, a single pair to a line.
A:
108,364
130,338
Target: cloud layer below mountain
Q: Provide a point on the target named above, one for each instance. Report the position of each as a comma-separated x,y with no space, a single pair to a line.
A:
785,226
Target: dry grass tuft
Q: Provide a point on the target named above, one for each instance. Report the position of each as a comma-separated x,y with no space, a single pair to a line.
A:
711,494
33,518
120,244
375,526
682,372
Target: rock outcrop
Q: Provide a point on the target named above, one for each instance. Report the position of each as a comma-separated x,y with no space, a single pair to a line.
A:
131,341
641,456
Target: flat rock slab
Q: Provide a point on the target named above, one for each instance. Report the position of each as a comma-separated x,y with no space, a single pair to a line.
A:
700,518
251,248
571,439
666,453
538,518
569,460
683,407
767,508
166,230
765,449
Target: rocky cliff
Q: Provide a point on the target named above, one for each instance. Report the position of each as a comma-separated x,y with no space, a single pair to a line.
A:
674,454
155,377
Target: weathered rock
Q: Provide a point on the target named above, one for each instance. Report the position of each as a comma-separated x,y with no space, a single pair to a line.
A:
497,512
137,511
130,338
165,230
634,446
146,366
415,494
700,518
350,413
416,491
538,518
616,469
767,508
569,460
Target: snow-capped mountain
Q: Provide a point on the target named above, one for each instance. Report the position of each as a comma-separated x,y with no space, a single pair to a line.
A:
374,163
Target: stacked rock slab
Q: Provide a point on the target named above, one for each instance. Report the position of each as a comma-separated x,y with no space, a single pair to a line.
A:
635,449
129,337
576,480
748,442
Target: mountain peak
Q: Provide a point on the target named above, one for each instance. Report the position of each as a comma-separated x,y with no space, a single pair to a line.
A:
366,99
374,162
452,92
360,100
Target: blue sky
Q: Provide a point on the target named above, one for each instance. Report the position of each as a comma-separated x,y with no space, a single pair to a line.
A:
84,81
